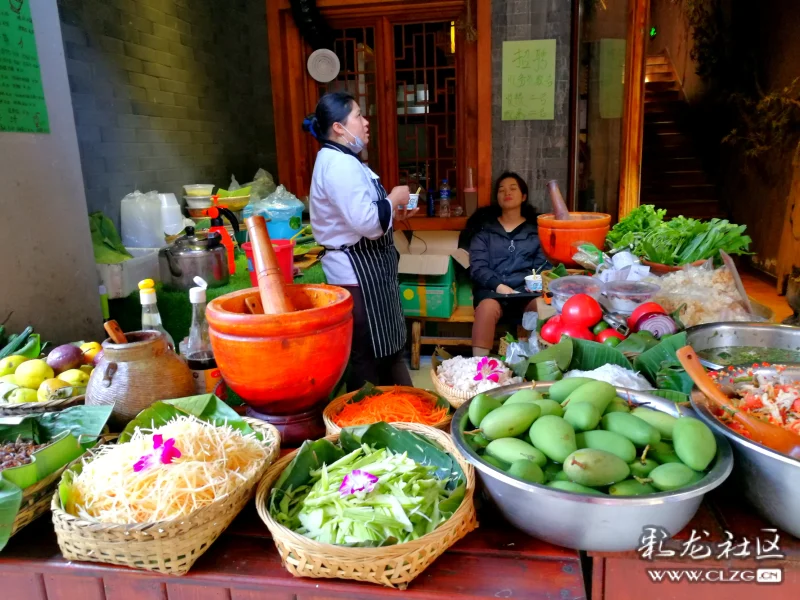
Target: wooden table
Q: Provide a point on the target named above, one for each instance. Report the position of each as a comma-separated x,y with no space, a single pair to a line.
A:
495,561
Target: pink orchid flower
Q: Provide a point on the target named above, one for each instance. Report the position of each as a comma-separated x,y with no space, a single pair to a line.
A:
357,481
165,453
489,369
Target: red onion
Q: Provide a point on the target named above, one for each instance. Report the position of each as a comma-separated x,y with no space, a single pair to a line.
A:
656,323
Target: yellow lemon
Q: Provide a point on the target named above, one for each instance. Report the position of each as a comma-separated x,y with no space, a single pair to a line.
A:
32,373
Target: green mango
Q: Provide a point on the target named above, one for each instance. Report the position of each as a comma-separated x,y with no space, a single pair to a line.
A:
560,390
551,470
595,468
561,476
477,440
661,421
480,406
618,405
583,416
511,450
663,453
631,487
524,396
550,407
609,441
509,421
569,486
527,471
672,476
635,429
553,436
598,393
495,463
694,443
642,468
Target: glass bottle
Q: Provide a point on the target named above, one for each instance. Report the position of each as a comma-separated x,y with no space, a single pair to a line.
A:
151,318
199,354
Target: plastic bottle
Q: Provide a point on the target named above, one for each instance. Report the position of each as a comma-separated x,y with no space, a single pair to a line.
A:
171,216
151,318
431,198
199,354
444,199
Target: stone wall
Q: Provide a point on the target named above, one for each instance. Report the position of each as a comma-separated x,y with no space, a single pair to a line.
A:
537,150
167,92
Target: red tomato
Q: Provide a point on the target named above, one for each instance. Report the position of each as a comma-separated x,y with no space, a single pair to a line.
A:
583,310
574,330
607,333
642,310
551,330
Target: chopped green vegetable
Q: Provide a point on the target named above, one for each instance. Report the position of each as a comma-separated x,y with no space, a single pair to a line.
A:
405,502
678,241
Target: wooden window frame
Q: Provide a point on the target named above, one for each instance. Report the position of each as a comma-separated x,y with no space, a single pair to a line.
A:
294,91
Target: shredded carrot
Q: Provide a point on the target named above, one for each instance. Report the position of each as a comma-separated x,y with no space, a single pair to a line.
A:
395,406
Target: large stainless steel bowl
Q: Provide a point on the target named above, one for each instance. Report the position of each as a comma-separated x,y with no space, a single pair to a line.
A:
595,523
722,335
769,480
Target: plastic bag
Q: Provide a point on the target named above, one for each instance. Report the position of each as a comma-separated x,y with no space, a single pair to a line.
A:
530,320
516,352
234,185
282,199
703,294
140,220
262,186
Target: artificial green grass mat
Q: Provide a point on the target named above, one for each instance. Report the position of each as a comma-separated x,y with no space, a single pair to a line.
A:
175,308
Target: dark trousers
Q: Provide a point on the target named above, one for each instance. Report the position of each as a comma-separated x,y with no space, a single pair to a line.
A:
364,367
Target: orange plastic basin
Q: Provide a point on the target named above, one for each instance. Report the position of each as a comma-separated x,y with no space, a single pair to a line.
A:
283,364
559,237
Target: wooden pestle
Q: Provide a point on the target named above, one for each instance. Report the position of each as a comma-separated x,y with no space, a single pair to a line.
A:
265,264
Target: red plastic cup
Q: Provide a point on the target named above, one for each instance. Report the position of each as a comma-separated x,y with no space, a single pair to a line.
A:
284,251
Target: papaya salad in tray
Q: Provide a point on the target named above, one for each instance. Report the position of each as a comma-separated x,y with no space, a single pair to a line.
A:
764,391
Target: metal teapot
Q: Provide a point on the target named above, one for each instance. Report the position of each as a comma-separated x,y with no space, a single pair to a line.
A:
192,255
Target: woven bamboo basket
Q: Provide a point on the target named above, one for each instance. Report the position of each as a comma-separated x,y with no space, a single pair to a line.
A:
169,547
455,397
393,566
22,409
334,407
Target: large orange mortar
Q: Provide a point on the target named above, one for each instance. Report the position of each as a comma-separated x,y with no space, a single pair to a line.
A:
559,236
282,348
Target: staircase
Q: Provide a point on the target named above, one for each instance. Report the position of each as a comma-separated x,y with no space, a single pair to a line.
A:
673,177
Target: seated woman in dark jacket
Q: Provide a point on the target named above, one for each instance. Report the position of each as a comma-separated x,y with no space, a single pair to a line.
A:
504,248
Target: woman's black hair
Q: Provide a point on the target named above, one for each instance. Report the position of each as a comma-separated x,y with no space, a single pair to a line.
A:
493,211
333,107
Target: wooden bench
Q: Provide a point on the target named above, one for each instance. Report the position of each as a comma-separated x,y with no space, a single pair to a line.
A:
462,314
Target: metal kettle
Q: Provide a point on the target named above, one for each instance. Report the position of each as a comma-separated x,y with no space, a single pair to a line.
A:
192,255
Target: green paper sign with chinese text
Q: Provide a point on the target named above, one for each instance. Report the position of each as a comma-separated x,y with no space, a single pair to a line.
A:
22,104
529,77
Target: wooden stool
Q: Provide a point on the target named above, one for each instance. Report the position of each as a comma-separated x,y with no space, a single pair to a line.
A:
462,314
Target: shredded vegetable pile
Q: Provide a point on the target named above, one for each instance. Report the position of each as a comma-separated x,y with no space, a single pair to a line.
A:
774,403
198,464
395,406
368,497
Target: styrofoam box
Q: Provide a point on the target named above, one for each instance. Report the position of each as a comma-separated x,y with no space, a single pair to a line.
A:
123,279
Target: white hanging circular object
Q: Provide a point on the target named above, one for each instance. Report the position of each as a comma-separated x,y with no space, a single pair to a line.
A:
323,65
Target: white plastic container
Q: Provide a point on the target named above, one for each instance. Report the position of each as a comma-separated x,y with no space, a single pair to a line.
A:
140,219
198,189
123,279
171,215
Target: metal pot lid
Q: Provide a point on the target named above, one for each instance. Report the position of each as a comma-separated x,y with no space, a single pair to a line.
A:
195,242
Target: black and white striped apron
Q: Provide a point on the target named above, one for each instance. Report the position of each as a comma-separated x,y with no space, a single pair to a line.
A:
375,265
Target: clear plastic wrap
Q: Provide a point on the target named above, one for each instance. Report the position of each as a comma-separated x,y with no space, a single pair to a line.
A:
703,294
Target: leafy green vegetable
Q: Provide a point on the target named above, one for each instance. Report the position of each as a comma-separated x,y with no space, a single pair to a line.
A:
206,407
32,347
678,241
559,271
588,356
649,363
106,243
670,395
561,353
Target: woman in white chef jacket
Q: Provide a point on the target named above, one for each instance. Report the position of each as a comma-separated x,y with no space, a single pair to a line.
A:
352,215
